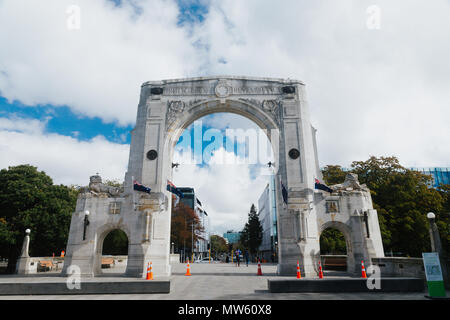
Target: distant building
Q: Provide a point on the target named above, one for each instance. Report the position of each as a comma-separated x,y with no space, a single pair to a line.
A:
191,200
267,214
232,237
440,175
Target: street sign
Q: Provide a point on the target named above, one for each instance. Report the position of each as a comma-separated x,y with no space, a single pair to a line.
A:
433,273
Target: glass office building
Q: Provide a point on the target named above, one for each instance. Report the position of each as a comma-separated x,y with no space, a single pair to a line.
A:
440,175
232,237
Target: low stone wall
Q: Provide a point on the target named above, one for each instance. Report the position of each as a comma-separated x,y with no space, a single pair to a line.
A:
174,258
400,267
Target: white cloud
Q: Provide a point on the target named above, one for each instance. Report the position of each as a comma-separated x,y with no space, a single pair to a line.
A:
65,159
98,69
226,190
370,92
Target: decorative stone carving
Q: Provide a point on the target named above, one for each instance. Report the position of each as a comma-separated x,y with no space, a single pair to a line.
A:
351,183
332,206
96,187
195,102
173,108
272,106
115,207
223,89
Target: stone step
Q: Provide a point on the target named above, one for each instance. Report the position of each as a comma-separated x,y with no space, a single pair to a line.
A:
345,285
92,287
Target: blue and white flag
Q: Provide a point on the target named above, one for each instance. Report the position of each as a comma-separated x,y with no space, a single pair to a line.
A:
321,186
284,192
139,187
171,187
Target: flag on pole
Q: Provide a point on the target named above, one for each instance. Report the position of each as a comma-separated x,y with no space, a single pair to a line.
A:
139,187
172,188
321,186
284,192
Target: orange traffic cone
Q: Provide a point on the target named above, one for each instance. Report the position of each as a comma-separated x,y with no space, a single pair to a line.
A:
299,275
320,271
259,269
149,271
188,271
363,270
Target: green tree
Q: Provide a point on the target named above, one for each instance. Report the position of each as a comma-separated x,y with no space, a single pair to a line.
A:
251,236
181,231
218,245
333,174
29,199
443,218
332,241
115,243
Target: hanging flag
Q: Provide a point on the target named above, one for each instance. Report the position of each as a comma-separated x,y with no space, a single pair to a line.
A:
284,192
321,186
198,201
171,187
139,187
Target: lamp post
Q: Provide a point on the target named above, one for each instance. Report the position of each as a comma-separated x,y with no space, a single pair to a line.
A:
436,244
86,223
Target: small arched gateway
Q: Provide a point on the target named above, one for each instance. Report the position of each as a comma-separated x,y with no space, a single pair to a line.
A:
166,108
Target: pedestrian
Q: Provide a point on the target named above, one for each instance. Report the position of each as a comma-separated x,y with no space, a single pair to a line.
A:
246,257
238,257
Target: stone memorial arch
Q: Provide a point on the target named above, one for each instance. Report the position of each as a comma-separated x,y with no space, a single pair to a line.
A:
165,109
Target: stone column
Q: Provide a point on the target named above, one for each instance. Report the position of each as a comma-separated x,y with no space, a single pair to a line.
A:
23,264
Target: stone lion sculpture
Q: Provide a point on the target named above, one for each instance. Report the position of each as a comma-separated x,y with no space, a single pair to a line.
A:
96,186
351,181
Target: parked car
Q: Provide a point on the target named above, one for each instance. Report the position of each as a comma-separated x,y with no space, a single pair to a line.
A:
204,260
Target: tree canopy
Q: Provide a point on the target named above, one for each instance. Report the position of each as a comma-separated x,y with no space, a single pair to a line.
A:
218,245
181,232
29,199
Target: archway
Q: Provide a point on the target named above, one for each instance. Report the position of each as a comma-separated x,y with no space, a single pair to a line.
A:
165,109
230,176
333,250
113,245
336,249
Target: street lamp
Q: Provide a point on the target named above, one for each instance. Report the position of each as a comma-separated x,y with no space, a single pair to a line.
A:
436,243
434,233
86,223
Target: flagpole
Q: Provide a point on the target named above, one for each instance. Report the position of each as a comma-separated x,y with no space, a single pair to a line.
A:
134,193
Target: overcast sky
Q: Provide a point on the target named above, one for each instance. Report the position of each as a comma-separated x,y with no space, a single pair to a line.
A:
377,76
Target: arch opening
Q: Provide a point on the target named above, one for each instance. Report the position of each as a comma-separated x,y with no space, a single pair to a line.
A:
114,252
227,180
336,249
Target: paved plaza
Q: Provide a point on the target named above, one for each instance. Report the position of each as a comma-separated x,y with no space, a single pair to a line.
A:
215,281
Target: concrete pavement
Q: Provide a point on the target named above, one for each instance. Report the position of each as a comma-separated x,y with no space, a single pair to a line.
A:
215,281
